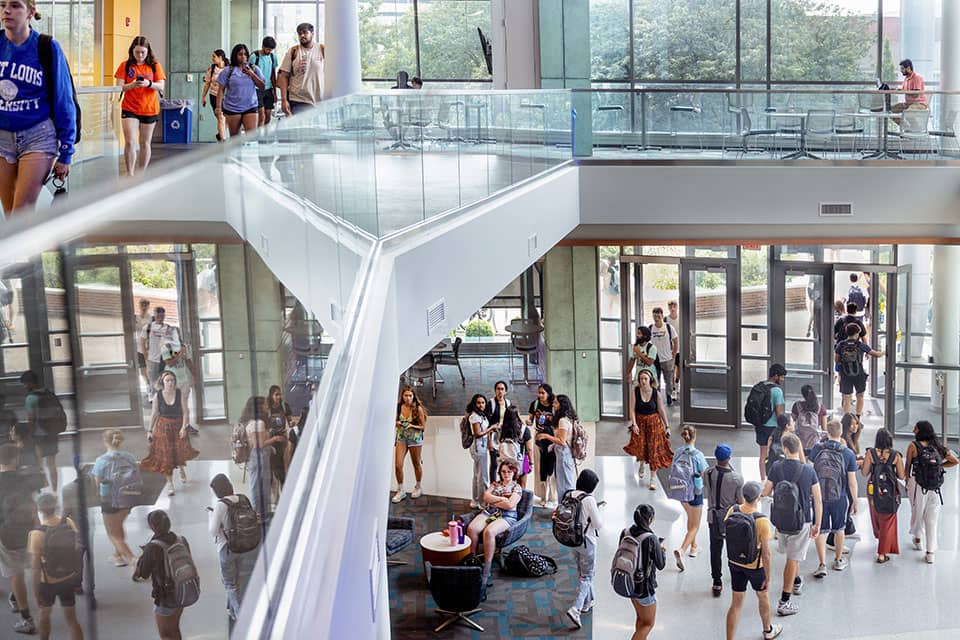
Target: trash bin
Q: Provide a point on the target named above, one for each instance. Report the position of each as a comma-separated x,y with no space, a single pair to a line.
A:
177,117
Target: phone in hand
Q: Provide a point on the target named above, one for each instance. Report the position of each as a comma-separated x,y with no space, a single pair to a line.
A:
210,509
140,78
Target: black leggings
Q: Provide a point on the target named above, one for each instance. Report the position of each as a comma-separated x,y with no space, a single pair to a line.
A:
548,462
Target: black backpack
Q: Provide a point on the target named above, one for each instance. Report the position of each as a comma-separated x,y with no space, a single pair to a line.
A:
62,556
567,520
758,408
741,535
17,512
883,478
830,471
928,468
525,563
242,529
51,418
857,297
788,508
775,452
45,52
850,358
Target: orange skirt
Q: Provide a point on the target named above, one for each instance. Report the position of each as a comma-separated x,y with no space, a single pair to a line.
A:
651,444
167,449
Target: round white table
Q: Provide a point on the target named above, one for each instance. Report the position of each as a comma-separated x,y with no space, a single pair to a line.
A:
437,550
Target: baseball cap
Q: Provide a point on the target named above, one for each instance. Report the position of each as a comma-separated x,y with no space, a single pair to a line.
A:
722,452
777,370
304,26
751,491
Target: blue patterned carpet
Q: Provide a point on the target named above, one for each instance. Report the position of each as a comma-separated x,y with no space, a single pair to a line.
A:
515,607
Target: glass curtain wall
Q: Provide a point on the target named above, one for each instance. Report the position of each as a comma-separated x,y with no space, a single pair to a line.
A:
76,25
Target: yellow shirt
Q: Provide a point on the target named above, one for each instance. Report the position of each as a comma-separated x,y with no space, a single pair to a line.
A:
763,535
35,545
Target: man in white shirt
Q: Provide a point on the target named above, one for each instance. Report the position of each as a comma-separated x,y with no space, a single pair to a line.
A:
664,338
301,73
140,321
152,338
673,319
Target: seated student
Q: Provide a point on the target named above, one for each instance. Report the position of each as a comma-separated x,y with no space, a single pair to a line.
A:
62,584
498,514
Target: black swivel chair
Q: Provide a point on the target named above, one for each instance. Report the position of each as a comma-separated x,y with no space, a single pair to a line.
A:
453,359
399,537
457,592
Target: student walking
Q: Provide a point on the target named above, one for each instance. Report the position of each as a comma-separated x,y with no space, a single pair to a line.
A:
218,60
237,533
649,429
883,467
796,513
46,420
586,554
172,592
764,405
686,480
301,73
653,558
240,87
115,471
564,417
38,125
748,549
853,376
926,460
143,80
479,451
18,516
57,564
836,468
266,60
168,436
810,417
723,487
411,422
667,343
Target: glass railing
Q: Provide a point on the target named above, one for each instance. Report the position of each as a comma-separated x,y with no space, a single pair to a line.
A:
809,123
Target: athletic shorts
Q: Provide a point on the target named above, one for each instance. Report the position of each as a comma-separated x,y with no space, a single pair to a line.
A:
848,385
697,501
795,545
40,138
47,594
834,516
46,445
143,119
741,577
763,435
240,113
13,562
213,102
161,610
267,98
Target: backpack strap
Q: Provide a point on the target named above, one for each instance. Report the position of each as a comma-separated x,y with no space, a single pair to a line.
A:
720,474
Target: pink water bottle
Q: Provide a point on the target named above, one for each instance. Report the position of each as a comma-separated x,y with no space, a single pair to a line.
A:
452,528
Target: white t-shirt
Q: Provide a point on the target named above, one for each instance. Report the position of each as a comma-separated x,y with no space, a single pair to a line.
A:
140,323
218,521
306,73
481,442
662,339
157,334
590,512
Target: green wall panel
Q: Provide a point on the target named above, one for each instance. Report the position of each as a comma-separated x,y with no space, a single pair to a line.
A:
551,38
559,305
584,281
576,39
587,370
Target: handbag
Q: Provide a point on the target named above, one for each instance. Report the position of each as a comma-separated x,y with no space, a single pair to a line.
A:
527,467
521,561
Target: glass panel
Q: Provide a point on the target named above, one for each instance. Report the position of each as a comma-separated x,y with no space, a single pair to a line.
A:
754,342
753,40
212,366
211,334
449,45
14,359
672,251
59,347
62,380
609,39
708,386
99,350
751,372
13,327
714,252
213,403
922,43
754,302
387,39
281,19
611,391
98,302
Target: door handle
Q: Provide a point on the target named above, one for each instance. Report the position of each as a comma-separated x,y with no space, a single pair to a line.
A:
706,365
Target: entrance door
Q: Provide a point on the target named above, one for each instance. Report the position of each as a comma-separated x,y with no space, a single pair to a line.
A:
802,325
710,342
895,317
104,348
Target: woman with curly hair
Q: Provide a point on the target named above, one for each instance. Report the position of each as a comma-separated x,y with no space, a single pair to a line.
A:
649,429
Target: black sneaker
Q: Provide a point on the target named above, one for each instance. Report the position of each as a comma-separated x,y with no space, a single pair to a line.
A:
192,430
717,590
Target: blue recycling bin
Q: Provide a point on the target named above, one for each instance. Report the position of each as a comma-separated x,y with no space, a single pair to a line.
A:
177,119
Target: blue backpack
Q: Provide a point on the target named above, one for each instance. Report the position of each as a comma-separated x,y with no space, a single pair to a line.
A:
680,485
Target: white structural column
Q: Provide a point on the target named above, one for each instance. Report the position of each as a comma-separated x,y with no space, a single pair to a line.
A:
946,318
514,43
950,60
342,40
920,259
917,28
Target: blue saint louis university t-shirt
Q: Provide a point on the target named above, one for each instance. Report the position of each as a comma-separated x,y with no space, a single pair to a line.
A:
24,101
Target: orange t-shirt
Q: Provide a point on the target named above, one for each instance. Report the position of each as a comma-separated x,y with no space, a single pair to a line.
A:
140,101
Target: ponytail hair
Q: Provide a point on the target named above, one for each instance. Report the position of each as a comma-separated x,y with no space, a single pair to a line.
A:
688,433
810,401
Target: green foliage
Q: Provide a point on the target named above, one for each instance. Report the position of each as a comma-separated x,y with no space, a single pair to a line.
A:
155,274
753,268
479,329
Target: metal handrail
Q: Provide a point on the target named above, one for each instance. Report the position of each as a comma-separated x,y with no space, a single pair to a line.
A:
929,366
103,89
679,88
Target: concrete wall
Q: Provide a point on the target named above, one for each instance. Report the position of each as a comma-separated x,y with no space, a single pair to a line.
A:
564,39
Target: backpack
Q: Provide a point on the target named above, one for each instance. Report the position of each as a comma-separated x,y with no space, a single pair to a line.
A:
670,334
273,57
243,527
829,467
630,567
775,452
126,484
51,418
62,555
578,442
928,468
18,512
45,53
680,486
741,535
857,297
510,449
808,426
758,408
724,497
883,478
239,445
850,358
787,513
466,432
568,522
183,581
525,563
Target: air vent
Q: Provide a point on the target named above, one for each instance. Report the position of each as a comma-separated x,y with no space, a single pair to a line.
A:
836,209
436,314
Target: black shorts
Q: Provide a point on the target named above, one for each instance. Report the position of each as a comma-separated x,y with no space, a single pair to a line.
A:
141,361
47,594
267,98
240,113
142,119
740,577
46,445
213,102
763,435
848,385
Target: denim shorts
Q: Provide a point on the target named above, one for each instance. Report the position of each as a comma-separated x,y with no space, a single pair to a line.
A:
646,602
40,138
161,610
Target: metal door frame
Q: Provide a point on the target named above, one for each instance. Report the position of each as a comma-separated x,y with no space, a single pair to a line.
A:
700,416
892,307
778,331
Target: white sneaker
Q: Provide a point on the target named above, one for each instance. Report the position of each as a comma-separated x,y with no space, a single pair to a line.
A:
917,545
928,558
840,564
551,504
170,490
24,626
587,607
788,608
398,496
798,586
416,493
574,616
775,630
820,571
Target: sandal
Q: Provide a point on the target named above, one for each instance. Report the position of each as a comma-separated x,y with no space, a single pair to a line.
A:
653,485
883,559
679,559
